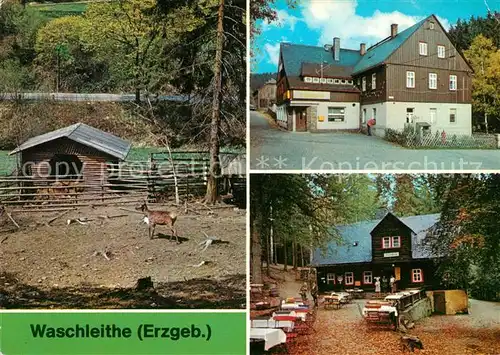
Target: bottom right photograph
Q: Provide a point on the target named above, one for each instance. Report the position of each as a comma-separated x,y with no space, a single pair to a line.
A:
375,263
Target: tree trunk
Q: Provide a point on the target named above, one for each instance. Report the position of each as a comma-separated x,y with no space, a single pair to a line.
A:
285,252
256,258
211,195
486,122
294,254
271,237
268,244
302,256
137,76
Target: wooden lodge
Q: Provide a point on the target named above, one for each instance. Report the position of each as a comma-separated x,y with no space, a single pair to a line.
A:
382,248
77,152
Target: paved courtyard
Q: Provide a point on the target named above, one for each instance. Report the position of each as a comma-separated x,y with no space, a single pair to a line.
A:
275,149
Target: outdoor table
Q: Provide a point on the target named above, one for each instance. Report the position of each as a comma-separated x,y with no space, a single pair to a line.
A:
271,337
383,308
292,306
302,314
272,323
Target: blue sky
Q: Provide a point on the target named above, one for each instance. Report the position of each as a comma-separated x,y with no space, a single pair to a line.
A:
316,22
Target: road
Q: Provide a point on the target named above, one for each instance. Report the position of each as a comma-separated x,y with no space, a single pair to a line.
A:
275,149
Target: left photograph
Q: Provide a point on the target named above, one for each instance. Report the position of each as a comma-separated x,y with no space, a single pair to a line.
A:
122,154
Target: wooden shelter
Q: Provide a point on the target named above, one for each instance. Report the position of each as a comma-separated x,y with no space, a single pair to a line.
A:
77,152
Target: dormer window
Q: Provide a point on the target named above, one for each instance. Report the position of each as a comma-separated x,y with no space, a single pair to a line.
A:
342,81
316,80
329,81
391,242
308,79
322,80
336,81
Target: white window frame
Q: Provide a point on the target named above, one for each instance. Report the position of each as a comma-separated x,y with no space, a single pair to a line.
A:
374,113
431,110
308,79
363,83
389,242
363,116
367,275
453,80
422,48
410,79
336,115
441,51
349,276
431,25
453,111
374,81
322,80
417,276
329,81
316,80
433,79
328,279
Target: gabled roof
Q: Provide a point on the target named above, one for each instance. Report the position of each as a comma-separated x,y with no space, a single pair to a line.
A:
351,61
84,134
378,53
294,55
347,252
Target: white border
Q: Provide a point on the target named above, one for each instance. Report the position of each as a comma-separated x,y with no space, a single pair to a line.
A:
248,236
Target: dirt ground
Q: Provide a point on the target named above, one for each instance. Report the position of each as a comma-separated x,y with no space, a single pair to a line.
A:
344,331
61,265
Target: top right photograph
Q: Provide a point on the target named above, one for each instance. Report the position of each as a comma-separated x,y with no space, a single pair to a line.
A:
375,85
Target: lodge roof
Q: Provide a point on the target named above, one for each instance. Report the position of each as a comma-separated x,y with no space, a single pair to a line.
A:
83,134
359,233
295,56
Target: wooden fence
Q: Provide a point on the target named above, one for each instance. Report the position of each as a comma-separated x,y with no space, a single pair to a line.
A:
128,182
413,139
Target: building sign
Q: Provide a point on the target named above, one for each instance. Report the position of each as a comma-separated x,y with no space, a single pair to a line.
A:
317,95
391,255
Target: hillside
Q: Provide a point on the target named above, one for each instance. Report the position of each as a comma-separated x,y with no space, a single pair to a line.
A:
257,80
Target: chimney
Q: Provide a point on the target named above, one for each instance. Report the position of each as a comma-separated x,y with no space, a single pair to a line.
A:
336,49
394,30
362,48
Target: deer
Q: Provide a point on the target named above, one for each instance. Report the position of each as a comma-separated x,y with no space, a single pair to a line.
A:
162,218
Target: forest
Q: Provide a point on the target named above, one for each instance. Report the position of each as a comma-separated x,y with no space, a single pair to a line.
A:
142,47
291,215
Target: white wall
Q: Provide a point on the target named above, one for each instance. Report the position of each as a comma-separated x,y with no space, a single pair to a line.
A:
281,117
351,118
379,128
396,118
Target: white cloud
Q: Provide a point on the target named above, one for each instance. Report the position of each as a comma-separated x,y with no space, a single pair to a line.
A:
338,18
283,18
444,22
273,52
